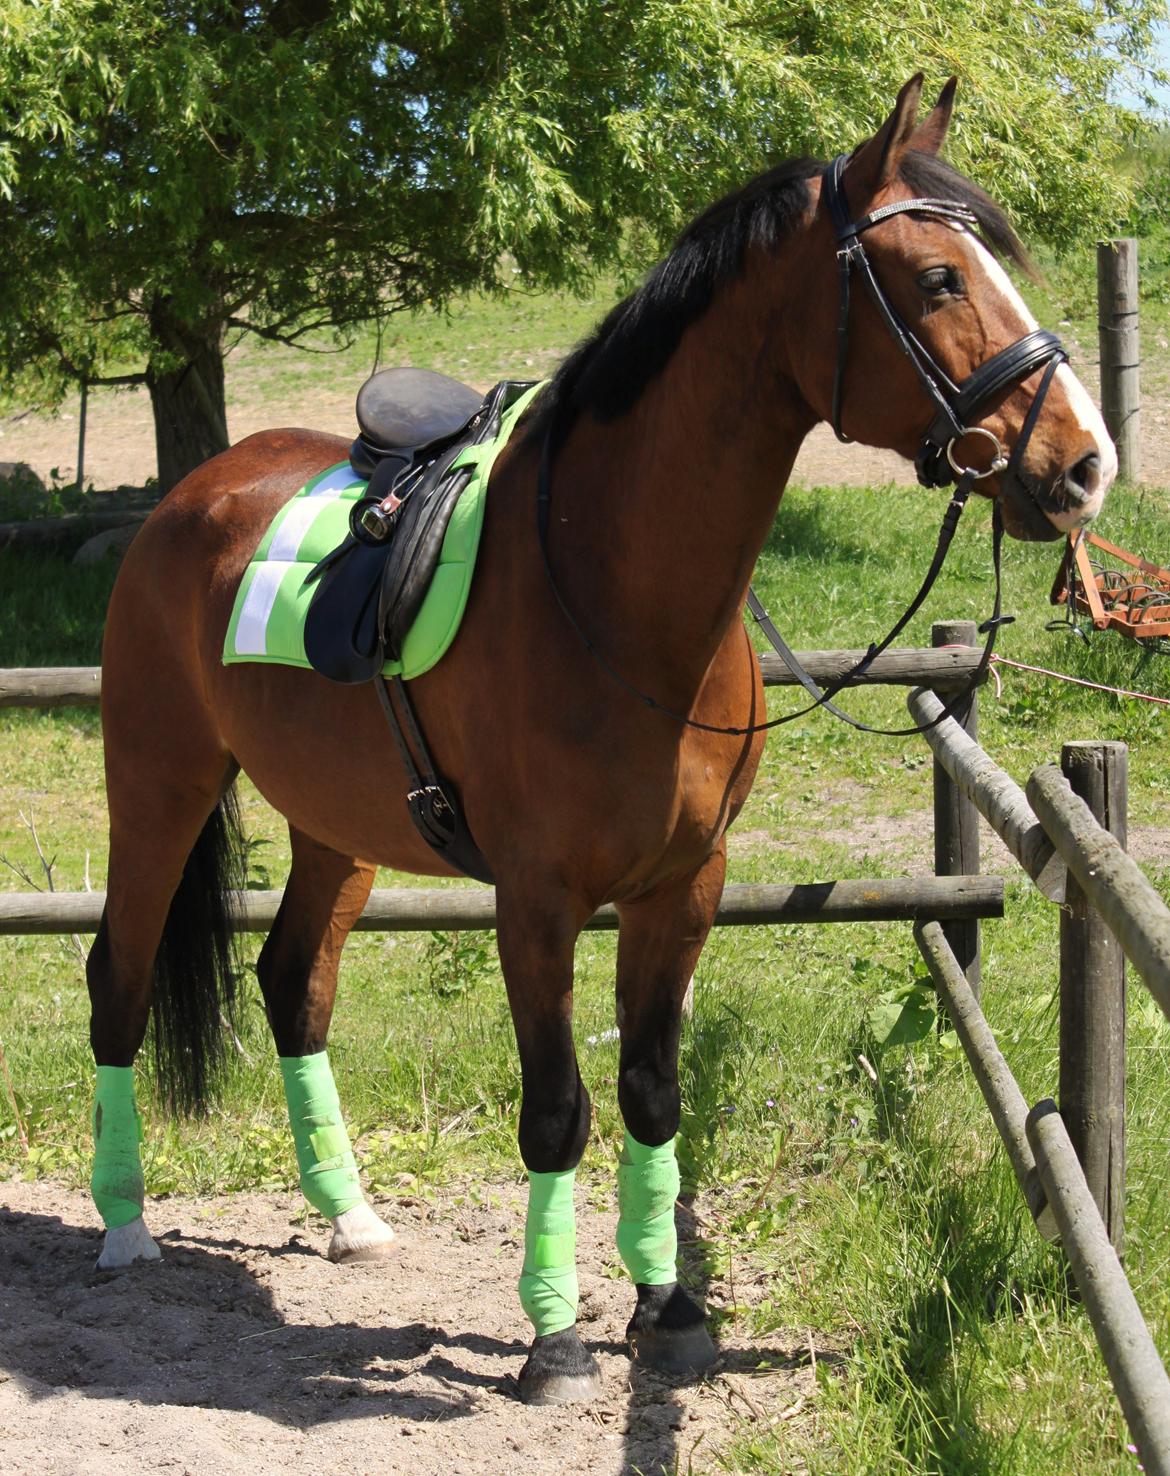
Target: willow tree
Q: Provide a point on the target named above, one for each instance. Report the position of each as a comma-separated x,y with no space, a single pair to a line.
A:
174,175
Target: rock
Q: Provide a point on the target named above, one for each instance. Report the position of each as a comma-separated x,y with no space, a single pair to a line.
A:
21,476
113,543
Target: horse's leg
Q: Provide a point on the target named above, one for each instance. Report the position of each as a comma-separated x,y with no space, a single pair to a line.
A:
297,970
536,953
167,844
659,944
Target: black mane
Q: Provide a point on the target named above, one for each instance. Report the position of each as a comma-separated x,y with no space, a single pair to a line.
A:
607,372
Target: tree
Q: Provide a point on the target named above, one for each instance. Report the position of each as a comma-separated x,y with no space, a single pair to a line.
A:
174,175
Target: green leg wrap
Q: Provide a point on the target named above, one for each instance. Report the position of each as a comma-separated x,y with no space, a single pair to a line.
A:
116,1181
329,1176
647,1189
548,1282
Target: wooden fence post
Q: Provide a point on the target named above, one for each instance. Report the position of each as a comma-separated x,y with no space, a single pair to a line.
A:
956,820
1092,998
1117,335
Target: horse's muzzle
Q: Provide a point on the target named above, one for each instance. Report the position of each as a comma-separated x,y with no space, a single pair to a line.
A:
1038,513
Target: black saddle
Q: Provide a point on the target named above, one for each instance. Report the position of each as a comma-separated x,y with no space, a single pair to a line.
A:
370,587
401,410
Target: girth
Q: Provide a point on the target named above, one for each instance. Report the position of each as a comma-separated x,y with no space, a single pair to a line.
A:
370,588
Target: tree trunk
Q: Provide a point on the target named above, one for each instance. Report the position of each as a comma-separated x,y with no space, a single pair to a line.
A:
190,411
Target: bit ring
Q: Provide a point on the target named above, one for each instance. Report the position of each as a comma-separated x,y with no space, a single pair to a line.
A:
999,461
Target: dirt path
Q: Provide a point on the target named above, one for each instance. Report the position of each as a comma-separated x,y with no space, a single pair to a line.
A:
245,1350
901,845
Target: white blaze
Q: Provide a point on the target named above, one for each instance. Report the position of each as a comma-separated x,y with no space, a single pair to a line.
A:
1087,416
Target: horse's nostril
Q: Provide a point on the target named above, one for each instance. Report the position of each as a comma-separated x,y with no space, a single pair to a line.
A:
1082,481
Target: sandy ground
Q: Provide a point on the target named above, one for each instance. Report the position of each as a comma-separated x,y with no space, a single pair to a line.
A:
902,845
245,1350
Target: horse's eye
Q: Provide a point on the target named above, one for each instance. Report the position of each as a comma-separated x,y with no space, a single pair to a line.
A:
940,281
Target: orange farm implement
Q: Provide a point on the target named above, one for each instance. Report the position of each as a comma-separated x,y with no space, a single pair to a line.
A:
1118,592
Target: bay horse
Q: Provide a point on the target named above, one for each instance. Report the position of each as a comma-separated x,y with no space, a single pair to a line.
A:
666,440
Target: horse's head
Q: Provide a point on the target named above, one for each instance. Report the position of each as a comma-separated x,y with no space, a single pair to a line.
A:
933,339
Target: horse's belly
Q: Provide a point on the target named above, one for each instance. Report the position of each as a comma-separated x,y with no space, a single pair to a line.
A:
321,754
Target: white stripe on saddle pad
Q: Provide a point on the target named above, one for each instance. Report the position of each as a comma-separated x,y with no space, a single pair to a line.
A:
337,480
302,513
252,626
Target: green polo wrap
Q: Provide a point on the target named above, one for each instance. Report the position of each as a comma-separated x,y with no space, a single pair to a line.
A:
329,1176
116,1181
548,1282
647,1189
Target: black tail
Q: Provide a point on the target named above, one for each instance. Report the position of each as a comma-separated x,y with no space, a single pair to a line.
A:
197,965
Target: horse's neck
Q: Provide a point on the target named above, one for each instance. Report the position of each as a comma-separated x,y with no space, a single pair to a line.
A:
659,517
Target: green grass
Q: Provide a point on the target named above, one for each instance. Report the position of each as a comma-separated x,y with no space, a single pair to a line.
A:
480,339
878,1214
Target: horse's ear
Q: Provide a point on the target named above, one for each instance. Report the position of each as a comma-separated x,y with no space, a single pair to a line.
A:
875,162
928,137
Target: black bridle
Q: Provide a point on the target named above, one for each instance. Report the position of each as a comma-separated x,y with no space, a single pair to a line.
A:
956,408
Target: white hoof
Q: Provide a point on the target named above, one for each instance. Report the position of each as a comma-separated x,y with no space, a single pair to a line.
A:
127,1244
359,1235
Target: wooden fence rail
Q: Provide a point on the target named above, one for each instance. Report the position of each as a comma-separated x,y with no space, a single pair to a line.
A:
407,909
1135,1369
1113,881
995,794
1000,1091
81,686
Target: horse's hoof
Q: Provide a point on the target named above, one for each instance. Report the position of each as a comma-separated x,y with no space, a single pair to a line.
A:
126,1244
667,1332
360,1236
559,1371
364,1255
675,1350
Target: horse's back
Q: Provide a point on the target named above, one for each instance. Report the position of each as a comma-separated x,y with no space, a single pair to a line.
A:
181,572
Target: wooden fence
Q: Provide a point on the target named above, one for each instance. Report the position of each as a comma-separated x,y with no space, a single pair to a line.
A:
1120,350
1067,832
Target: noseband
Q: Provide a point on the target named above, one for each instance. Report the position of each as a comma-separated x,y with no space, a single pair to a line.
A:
957,407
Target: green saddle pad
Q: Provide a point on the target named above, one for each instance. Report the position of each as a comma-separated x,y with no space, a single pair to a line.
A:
268,617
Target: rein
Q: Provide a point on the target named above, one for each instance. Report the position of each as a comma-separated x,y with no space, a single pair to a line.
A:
936,462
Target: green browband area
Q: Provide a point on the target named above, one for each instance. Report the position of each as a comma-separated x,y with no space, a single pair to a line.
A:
548,1282
329,1176
116,1181
647,1189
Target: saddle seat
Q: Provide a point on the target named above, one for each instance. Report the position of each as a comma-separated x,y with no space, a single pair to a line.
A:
401,410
